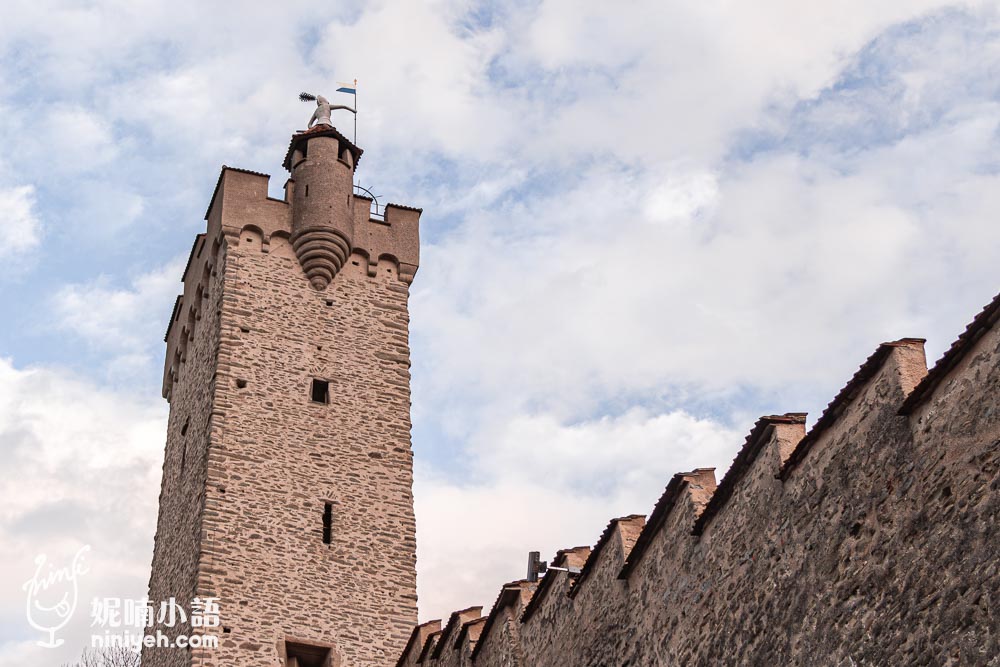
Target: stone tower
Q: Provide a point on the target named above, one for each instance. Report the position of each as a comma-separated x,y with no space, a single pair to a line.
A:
287,474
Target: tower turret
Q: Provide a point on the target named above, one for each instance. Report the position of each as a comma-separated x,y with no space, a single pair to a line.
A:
322,162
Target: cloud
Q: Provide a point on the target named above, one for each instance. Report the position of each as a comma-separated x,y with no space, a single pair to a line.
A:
776,270
63,438
124,325
484,90
436,73
534,483
558,81
81,140
18,221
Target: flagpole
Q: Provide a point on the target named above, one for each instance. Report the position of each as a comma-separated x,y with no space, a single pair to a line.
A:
355,112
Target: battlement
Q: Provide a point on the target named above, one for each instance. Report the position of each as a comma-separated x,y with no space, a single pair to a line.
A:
242,219
864,540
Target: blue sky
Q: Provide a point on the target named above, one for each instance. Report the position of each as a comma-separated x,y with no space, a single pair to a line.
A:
644,226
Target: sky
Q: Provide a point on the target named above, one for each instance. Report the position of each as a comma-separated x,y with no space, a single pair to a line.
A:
645,225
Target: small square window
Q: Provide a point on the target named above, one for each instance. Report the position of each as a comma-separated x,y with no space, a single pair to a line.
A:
320,391
305,655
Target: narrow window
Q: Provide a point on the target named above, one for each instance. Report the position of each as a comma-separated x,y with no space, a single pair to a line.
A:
307,191
320,391
184,444
327,522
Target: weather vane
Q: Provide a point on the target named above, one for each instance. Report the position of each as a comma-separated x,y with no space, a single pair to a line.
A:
321,116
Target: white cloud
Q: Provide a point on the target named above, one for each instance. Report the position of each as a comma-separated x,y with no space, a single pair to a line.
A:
681,198
539,485
124,324
562,81
79,138
19,223
116,210
435,73
80,465
774,271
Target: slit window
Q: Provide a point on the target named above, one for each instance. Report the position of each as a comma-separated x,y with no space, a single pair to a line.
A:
320,391
184,444
327,522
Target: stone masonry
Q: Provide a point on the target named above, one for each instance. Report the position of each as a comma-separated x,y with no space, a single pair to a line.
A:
287,473
873,539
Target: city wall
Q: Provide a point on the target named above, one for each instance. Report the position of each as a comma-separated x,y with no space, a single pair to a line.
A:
871,539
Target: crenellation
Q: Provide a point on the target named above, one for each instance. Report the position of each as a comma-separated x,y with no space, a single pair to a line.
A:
585,618
611,546
453,648
868,540
241,200
416,643
765,451
908,367
695,487
429,645
465,644
499,642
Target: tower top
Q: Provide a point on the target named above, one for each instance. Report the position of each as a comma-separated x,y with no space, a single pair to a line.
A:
300,138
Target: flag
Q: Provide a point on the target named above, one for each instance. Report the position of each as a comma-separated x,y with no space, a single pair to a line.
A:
350,91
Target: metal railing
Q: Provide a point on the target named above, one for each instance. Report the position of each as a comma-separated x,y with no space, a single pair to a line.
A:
377,210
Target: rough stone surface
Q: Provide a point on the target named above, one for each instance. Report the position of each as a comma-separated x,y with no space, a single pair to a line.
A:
246,483
871,540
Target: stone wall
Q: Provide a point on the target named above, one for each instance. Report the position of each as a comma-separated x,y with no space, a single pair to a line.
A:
242,518
870,540
191,366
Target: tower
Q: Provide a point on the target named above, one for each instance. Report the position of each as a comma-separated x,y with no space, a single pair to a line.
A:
287,475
